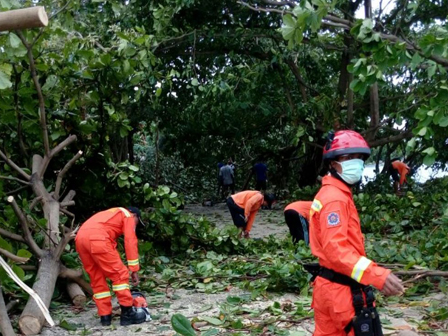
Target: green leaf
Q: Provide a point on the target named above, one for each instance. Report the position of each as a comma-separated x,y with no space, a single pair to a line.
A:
212,320
18,271
429,160
182,325
14,41
159,90
429,151
210,332
134,168
422,131
24,253
194,82
50,83
443,122
4,81
67,326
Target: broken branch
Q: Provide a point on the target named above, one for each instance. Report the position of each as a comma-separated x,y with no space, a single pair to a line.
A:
26,230
13,257
62,173
14,166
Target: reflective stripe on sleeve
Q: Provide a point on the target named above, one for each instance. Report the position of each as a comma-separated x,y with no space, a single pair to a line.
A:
359,268
316,206
101,295
117,288
126,212
133,262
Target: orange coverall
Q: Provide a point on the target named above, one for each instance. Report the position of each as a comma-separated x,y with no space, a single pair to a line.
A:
337,241
96,245
403,170
251,202
302,207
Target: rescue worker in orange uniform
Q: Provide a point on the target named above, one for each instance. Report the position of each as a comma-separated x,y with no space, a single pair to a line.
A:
243,207
297,216
336,239
96,243
399,170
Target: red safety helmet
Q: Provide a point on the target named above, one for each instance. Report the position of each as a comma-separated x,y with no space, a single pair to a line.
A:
345,142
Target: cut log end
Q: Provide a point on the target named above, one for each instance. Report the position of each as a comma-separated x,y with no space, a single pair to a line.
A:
11,199
43,16
29,325
79,301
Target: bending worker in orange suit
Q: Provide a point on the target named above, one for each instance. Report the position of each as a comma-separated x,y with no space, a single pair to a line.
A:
340,289
399,170
96,244
297,216
243,207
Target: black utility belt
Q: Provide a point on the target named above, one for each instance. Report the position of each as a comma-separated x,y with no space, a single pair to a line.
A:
366,321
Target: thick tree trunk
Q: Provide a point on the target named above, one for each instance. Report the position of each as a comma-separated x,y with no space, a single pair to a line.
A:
5,323
32,320
76,294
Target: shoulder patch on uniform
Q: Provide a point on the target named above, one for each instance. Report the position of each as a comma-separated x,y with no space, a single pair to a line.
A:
333,219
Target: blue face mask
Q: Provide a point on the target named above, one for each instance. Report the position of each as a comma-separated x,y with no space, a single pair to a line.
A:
352,170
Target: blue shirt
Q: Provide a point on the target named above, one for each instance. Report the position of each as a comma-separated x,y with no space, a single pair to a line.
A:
260,171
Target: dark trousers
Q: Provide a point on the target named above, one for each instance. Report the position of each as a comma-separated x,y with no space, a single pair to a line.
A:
298,226
226,187
237,213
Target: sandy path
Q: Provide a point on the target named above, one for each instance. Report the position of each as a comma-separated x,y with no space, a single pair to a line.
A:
403,315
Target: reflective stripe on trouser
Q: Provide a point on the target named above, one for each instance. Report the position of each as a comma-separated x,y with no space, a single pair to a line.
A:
101,260
333,308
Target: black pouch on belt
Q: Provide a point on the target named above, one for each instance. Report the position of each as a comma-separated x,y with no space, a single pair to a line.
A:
362,323
376,323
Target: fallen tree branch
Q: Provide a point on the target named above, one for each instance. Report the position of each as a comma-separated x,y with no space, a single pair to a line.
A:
10,235
13,257
28,237
11,304
62,173
5,322
75,276
14,179
64,241
35,201
14,166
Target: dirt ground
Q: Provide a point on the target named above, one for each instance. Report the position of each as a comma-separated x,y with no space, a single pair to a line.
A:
400,317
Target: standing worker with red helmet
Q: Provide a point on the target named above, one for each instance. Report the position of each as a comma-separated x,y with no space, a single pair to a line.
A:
96,244
342,287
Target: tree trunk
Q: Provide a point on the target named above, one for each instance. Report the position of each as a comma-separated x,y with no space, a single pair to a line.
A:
32,320
76,294
5,323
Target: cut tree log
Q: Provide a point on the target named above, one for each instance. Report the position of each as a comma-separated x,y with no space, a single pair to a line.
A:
32,17
32,320
76,294
5,324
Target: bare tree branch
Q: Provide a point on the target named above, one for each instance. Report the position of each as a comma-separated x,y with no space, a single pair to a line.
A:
65,240
53,152
14,166
26,230
394,138
67,204
10,235
14,179
61,174
35,201
68,213
13,257
15,191
43,118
